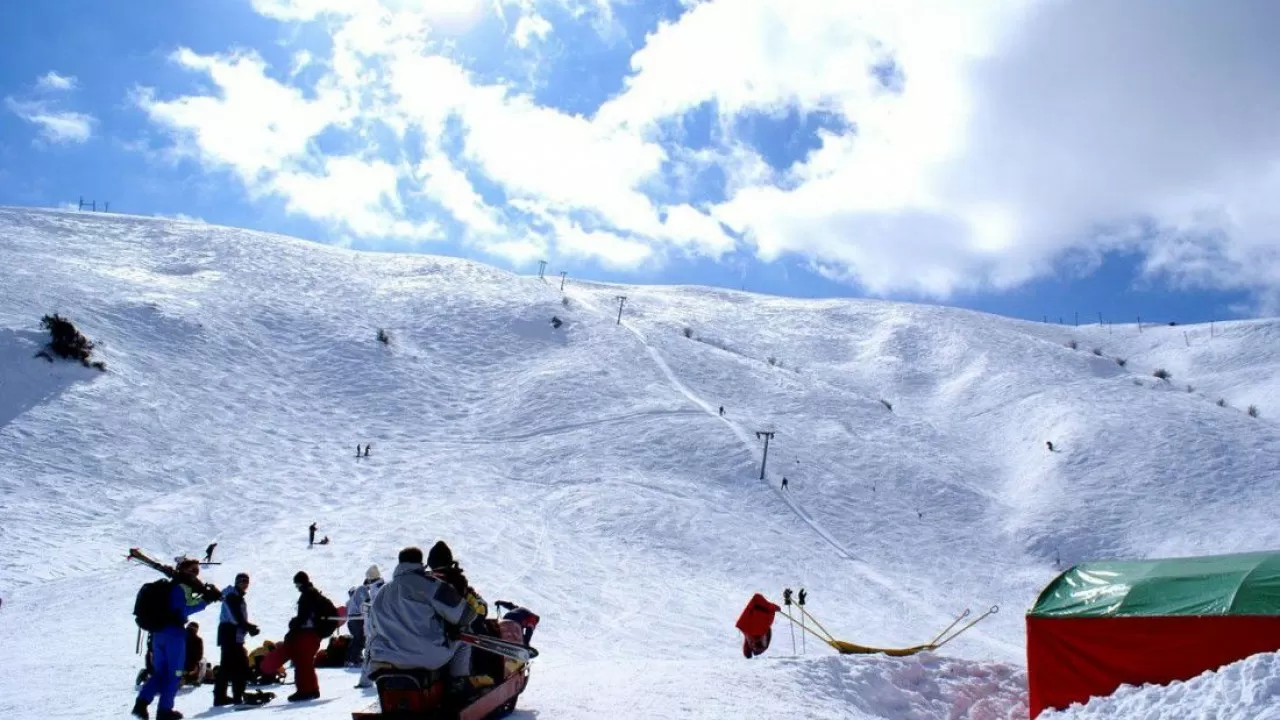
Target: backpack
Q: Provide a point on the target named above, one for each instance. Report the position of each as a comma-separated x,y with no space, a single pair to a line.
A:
152,609
325,621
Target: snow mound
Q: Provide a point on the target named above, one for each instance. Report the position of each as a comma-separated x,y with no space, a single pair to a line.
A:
1244,690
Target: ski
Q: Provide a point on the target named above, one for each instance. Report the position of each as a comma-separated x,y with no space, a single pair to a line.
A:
206,590
500,647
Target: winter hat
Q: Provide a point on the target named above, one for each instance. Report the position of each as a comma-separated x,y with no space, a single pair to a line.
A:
440,556
373,573
301,578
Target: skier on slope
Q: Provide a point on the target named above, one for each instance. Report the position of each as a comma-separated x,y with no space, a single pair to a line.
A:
168,643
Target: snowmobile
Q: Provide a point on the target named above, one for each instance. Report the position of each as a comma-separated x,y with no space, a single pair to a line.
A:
418,694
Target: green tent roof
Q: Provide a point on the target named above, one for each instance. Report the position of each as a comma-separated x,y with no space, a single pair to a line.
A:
1243,584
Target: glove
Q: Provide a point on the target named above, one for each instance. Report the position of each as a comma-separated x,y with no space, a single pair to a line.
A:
211,594
251,629
504,604
452,632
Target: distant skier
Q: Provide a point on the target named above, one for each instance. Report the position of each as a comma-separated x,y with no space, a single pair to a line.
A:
1049,444
784,483
324,540
311,536
208,552
721,411
357,449
367,448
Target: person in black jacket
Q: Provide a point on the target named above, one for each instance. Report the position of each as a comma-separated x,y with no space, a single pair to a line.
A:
193,668
302,641
233,625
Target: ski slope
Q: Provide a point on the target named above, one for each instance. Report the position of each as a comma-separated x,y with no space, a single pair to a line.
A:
585,471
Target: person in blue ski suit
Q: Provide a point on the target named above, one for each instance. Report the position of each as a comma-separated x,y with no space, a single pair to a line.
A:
169,647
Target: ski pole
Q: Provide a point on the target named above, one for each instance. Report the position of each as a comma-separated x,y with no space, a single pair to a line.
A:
803,649
994,609
959,617
786,599
137,647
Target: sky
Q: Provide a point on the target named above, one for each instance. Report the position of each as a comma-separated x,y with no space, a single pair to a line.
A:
1035,158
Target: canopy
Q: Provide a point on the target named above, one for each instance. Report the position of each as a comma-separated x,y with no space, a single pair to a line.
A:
1240,584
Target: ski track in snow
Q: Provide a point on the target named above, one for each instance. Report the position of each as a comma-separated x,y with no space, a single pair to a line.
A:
575,476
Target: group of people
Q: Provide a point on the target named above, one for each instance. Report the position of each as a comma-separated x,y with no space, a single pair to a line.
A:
414,621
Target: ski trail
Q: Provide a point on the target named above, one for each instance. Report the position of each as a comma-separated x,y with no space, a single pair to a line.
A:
865,569
737,430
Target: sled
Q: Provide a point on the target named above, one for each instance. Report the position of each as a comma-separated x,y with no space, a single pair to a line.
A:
417,694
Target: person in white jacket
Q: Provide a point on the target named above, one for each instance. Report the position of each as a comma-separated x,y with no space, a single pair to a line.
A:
357,608
415,620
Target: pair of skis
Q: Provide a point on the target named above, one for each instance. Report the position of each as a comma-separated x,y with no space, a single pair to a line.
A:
205,590
943,637
514,651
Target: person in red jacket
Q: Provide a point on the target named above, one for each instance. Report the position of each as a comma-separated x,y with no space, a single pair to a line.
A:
756,624
301,642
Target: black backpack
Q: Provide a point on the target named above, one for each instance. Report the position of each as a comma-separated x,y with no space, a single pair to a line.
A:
152,609
325,620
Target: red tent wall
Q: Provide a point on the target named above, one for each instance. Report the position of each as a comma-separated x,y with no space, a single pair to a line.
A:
1070,659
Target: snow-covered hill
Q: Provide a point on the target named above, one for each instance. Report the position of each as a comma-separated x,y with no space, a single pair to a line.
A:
584,470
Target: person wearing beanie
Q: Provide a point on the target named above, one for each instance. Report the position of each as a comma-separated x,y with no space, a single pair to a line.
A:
416,619
312,623
233,625
357,607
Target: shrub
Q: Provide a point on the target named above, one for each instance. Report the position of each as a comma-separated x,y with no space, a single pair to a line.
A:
1121,362
384,337
1253,411
887,404
774,361
1162,374
1097,351
67,342
1222,402
1073,344
688,332
565,301
1190,389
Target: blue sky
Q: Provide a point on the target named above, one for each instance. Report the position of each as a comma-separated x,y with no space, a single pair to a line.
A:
1009,157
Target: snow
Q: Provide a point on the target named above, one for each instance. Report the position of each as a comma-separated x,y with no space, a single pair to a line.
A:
584,471
1248,689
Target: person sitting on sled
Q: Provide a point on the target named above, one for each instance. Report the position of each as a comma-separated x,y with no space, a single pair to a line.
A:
416,619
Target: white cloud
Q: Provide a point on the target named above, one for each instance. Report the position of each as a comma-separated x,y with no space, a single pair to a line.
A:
608,249
529,27
254,126
1023,128
56,126
358,194
1020,131
52,81
449,186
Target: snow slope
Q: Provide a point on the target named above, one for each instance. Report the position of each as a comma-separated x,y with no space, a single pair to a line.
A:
583,471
